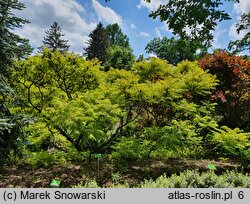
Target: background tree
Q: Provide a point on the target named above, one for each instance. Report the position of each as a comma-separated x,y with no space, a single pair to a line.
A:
12,47
97,44
116,37
244,43
172,50
192,20
53,39
119,53
119,58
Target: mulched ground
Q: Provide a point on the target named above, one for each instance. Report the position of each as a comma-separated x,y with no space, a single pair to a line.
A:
24,176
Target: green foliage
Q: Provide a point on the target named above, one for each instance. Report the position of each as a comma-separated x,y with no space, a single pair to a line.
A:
62,92
41,78
87,122
94,184
119,58
245,157
231,142
116,177
152,70
171,106
193,179
40,159
130,149
50,85
119,52
172,50
185,18
53,40
116,37
154,110
44,158
244,43
10,124
97,44
12,45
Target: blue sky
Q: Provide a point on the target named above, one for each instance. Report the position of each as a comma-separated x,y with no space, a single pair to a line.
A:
78,17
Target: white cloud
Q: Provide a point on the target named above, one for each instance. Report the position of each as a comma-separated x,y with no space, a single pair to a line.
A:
68,14
106,14
239,8
218,33
133,26
234,35
153,5
32,32
158,32
164,28
242,7
152,55
76,41
143,34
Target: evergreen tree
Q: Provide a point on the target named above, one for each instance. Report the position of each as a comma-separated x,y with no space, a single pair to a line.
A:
53,39
97,44
12,46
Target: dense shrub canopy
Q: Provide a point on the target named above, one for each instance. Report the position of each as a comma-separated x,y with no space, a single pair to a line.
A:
232,92
77,105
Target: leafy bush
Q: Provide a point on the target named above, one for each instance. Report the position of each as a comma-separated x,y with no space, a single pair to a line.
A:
130,149
193,179
40,159
232,91
231,142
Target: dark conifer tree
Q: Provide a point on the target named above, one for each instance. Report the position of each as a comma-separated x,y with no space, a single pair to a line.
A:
97,44
53,39
12,47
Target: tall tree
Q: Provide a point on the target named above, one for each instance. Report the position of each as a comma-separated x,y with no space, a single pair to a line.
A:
191,19
53,39
172,50
119,54
242,26
116,37
119,58
12,47
97,44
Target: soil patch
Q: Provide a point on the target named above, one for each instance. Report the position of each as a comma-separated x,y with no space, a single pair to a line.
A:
24,176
